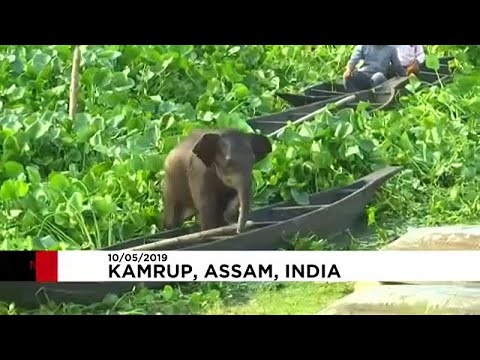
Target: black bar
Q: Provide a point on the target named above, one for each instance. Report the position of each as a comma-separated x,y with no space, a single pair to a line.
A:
17,265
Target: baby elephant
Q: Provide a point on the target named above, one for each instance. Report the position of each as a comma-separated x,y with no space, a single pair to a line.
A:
210,173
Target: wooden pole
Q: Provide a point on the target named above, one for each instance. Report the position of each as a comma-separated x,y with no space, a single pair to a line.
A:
72,106
316,112
197,237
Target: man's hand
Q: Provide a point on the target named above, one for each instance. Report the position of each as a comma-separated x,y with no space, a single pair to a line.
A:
413,68
347,73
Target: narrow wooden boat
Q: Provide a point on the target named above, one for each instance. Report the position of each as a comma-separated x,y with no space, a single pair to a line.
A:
328,90
308,107
328,212
272,123
284,217
270,228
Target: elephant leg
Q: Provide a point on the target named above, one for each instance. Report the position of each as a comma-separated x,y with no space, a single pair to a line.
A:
208,215
173,215
177,214
232,210
188,213
205,203
174,210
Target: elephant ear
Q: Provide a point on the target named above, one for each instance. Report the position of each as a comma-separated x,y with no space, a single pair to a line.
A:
261,146
206,148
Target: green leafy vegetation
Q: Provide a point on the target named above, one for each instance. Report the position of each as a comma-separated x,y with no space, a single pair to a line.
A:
228,299
95,180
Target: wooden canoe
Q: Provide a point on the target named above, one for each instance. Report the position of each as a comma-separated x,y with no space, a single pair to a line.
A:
328,91
328,212
377,98
319,97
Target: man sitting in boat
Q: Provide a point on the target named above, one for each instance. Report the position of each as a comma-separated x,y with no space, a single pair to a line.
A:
411,57
377,60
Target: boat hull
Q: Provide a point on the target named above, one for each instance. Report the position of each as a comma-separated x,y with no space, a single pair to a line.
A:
327,90
339,213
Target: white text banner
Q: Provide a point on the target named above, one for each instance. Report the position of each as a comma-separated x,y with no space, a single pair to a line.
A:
264,266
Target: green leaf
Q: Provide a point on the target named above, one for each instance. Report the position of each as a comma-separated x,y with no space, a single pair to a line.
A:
214,85
113,99
103,204
96,139
432,62
58,182
405,142
181,49
352,150
233,50
13,169
139,143
154,162
15,93
343,130
111,54
233,121
75,155
241,91
315,148
300,197
97,77
21,189
371,211
156,98
58,90
99,169
152,55
291,137
322,159
454,192
168,292
82,126
290,153
14,189
76,201
469,172
48,242
61,216
38,129
167,62
230,72
435,137
110,299
122,82
40,60
14,213
207,116
366,145
18,66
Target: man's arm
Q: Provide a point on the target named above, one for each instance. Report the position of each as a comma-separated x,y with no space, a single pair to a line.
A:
357,55
420,54
397,66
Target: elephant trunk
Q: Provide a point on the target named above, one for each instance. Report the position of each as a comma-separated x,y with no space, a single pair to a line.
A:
244,196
